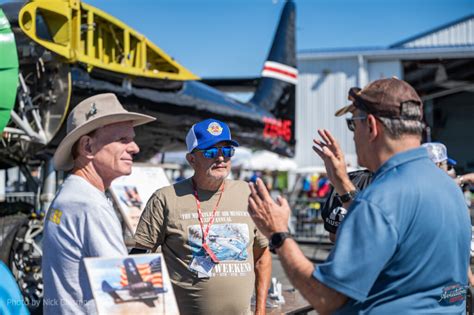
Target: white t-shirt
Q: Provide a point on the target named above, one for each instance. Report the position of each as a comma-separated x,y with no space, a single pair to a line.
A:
80,223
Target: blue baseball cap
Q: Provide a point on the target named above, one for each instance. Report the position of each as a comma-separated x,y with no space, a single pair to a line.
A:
207,133
452,162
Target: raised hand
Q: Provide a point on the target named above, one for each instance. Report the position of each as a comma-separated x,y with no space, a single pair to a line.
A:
268,215
330,152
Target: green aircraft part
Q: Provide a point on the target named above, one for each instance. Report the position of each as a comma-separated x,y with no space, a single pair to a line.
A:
8,70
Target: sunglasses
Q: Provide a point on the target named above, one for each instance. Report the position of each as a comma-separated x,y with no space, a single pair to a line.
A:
213,152
350,121
445,164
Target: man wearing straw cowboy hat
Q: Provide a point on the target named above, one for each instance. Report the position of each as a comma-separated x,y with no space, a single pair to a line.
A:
99,147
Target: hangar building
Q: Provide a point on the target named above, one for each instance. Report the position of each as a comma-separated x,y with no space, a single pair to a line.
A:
438,63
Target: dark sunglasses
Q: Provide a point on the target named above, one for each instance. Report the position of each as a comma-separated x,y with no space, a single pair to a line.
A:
445,164
350,121
212,153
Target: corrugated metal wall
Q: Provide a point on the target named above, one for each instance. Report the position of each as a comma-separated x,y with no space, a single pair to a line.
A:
322,89
455,35
324,80
384,69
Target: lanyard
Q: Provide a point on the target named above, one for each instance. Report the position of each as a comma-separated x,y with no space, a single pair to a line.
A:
211,221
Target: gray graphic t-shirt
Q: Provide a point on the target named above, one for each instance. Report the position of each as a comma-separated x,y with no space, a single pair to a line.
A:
170,219
80,223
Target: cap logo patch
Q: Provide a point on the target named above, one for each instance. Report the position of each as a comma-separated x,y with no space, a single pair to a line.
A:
214,129
92,111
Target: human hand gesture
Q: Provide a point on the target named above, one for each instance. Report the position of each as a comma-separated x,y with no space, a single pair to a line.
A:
330,152
268,215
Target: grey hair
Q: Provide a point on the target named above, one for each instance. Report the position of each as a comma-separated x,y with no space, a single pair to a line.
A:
410,122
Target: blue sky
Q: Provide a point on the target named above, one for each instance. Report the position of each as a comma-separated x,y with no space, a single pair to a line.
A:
231,38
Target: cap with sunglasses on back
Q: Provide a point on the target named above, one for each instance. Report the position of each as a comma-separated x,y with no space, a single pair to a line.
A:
207,133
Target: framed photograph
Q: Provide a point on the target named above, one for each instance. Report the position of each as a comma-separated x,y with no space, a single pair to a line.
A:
135,284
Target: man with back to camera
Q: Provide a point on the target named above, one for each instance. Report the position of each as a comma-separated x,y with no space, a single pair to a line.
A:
213,250
403,247
81,221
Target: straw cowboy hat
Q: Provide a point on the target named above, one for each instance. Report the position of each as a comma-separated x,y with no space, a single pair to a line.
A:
90,114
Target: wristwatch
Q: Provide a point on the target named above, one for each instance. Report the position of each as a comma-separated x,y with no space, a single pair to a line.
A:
348,196
277,239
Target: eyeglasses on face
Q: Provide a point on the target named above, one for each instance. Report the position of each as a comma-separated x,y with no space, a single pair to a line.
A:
211,153
350,121
445,165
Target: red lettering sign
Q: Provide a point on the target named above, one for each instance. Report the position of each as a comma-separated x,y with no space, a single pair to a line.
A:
277,128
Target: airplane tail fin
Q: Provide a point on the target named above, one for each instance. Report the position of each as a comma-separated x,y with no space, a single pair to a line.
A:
133,275
277,88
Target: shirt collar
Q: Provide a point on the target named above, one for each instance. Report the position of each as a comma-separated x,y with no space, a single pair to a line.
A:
402,158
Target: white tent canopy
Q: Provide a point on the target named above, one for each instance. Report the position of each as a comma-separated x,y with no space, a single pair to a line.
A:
265,160
245,159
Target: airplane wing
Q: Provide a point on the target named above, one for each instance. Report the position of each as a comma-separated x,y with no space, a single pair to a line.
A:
149,302
107,288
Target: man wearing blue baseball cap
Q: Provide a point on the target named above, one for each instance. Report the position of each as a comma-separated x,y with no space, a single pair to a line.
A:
213,250
439,155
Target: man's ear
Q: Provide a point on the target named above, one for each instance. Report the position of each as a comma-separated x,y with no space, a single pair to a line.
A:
374,127
85,146
190,158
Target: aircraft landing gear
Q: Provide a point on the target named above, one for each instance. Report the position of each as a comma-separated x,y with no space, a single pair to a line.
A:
39,112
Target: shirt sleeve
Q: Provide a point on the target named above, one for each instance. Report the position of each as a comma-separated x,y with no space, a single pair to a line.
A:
151,228
366,241
100,238
260,240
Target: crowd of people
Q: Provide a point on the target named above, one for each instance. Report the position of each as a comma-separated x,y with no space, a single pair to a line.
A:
401,229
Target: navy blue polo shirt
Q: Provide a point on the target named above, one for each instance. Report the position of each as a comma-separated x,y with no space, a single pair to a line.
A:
404,246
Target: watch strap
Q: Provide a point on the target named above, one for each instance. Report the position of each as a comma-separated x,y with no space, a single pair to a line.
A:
348,196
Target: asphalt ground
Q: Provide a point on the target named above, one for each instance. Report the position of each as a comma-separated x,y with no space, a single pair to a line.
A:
313,252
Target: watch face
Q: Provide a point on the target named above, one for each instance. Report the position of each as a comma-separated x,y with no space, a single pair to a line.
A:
348,196
277,238
345,198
